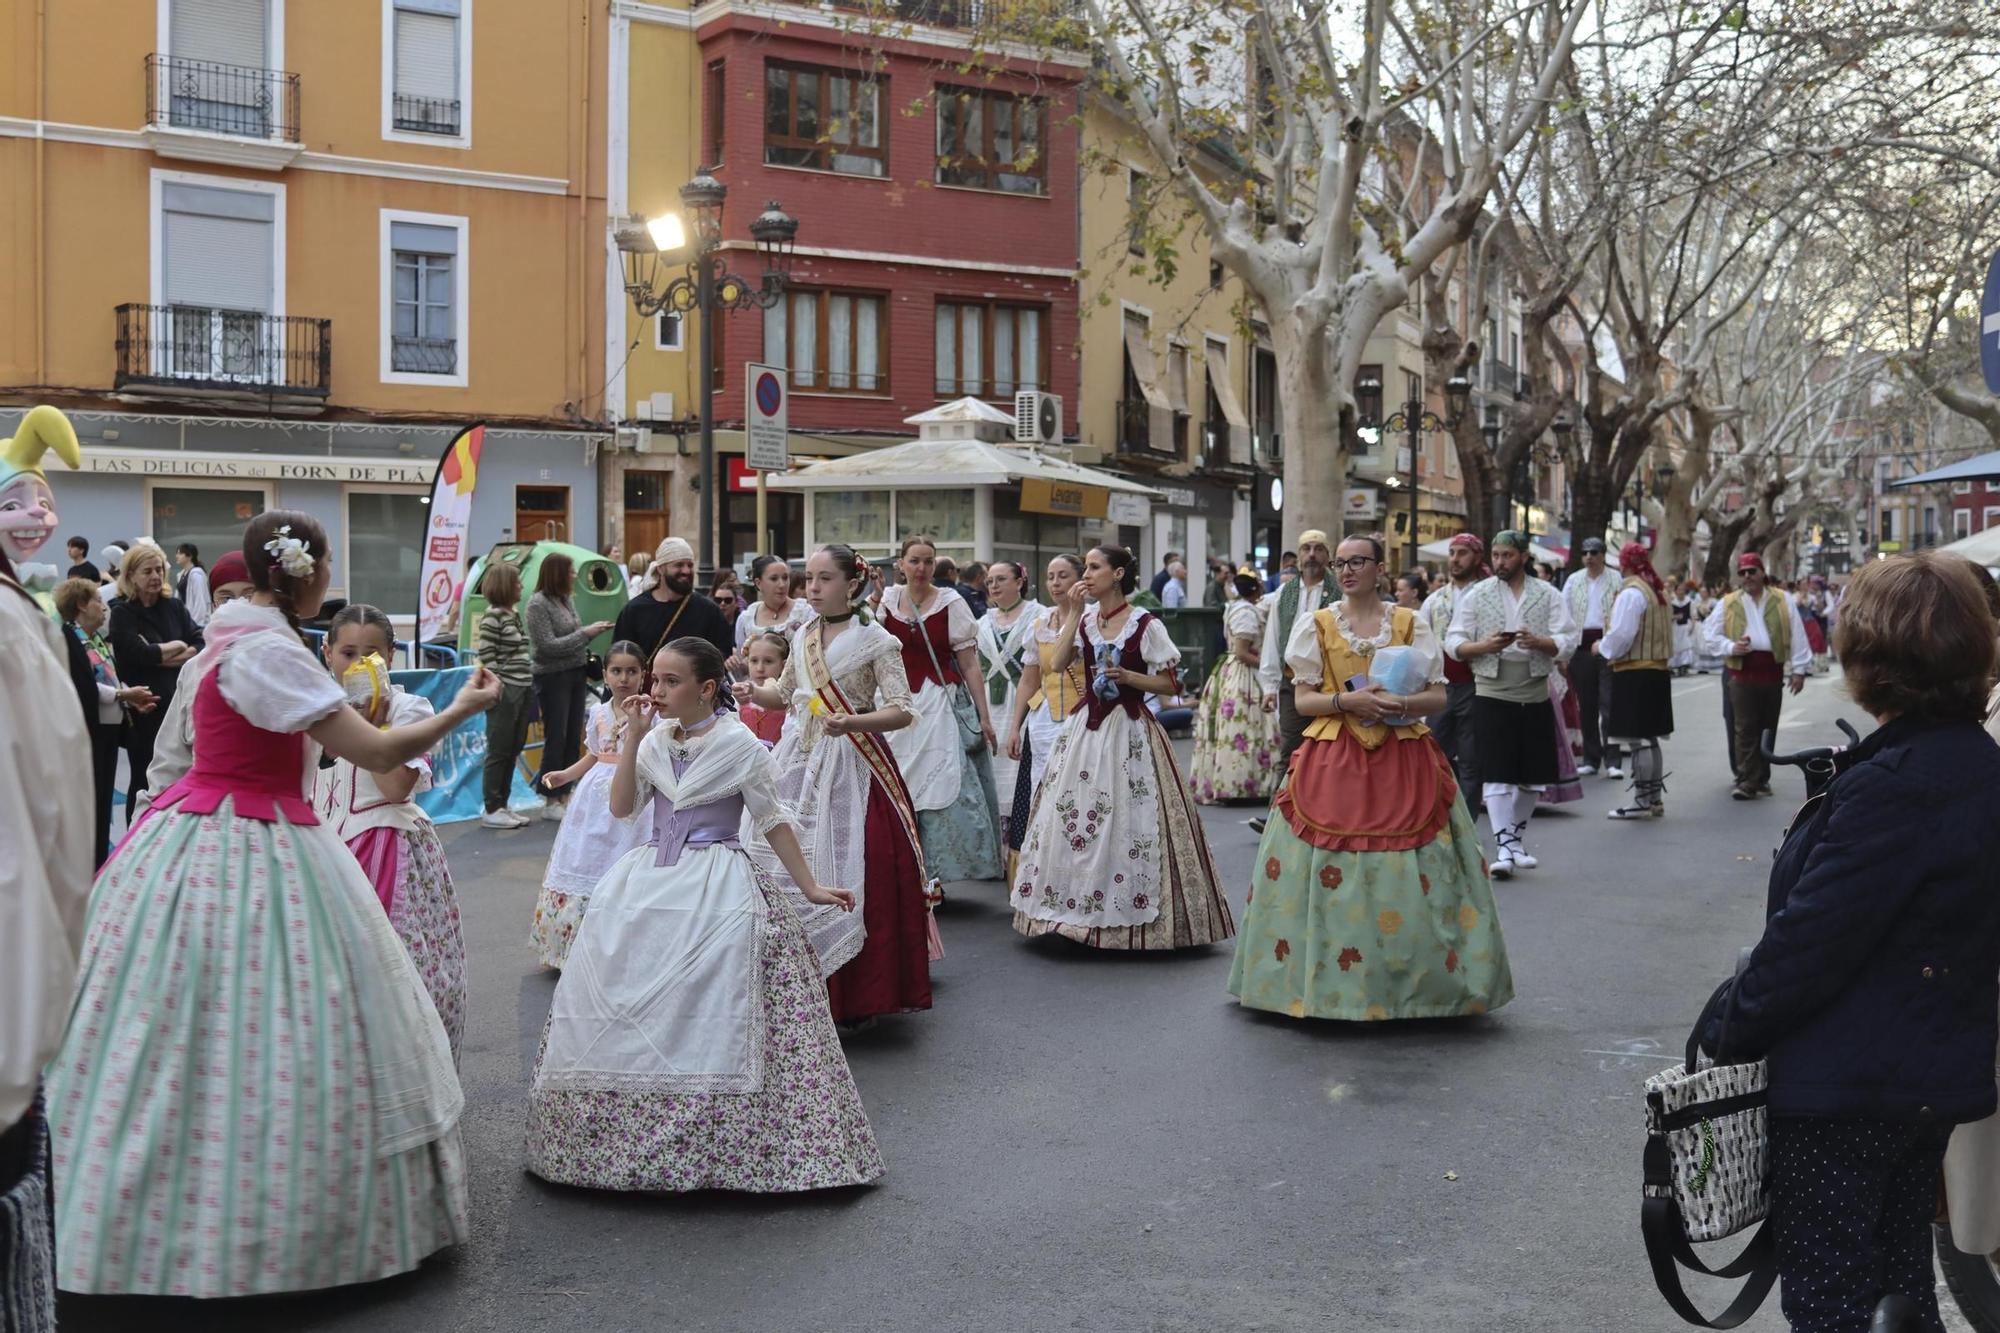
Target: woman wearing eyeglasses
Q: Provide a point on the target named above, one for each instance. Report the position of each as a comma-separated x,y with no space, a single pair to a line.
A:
1368,898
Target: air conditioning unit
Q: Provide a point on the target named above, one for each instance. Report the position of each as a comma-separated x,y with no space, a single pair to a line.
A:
663,406
634,439
1038,418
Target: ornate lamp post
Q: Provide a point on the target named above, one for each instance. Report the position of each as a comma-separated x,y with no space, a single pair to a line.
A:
653,248
1414,419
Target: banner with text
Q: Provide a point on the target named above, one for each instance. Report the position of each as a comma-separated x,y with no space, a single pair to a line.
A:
458,762
448,529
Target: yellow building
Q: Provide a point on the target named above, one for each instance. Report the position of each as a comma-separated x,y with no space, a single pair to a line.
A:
271,253
1178,388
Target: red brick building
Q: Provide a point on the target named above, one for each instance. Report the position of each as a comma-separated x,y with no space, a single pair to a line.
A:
938,246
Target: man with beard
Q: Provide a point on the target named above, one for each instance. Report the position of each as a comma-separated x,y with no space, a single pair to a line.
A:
1589,593
1299,597
665,606
1453,727
1513,630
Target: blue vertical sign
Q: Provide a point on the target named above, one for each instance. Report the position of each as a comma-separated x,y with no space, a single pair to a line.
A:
1989,326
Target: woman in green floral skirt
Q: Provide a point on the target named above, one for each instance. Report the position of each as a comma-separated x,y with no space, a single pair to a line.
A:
1369,896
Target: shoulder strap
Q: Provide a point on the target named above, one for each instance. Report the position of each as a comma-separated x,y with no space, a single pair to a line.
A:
668,632
1667,1248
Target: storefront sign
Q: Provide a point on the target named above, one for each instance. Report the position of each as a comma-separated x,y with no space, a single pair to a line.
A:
250,467
1128,510
1360,502
1068,499
1208,501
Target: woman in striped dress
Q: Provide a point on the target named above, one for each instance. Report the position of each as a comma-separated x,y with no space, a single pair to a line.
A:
255,1093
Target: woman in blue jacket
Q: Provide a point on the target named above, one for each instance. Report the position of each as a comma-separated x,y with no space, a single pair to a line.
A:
1873,992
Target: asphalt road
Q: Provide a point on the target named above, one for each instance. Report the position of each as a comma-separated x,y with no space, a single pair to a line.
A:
1095,1142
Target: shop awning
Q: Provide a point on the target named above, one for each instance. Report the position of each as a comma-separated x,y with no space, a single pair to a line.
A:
1139,351
932,463
1981,467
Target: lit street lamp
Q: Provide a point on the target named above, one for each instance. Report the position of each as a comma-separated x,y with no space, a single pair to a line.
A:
1414,419
652,248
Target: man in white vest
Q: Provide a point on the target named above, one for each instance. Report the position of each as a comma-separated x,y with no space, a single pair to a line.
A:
1453,727
1590,591
1761,638
1512,630
1297,599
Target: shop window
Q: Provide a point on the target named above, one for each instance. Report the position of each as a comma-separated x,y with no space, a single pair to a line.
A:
384,549
212,518
832,342
943,514
991,141
986,350
858,518
823,119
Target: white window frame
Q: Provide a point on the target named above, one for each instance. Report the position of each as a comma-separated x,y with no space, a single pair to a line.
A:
156,239
274,31
1961,488
1989,519
679,342
461,298
404,622
463,139
1961,524
1992,487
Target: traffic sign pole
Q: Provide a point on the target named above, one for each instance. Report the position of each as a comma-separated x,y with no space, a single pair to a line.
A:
767,442
763,512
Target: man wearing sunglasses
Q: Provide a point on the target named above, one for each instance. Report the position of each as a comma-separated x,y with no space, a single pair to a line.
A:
1299,597
1512,630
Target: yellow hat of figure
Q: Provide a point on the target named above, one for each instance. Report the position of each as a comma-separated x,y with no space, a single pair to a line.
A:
42,429
1311,535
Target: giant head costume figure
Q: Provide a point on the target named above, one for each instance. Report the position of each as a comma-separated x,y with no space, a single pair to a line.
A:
27,505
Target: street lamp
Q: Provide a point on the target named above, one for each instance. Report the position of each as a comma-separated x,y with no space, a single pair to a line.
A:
652,248
1414,418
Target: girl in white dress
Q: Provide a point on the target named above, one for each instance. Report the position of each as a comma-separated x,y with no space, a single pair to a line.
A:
377,816
771,608
689,1044
591,838
950,772
1115,856
1006,641
845,687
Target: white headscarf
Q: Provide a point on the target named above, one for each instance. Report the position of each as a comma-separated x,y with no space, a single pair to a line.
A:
668,551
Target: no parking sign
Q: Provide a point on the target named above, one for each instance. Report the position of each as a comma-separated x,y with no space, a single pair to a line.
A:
768,444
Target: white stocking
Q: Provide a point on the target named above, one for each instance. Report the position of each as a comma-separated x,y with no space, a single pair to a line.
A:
1500,804
1524,808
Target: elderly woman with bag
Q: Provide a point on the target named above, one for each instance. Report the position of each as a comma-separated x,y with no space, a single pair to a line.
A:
1872,995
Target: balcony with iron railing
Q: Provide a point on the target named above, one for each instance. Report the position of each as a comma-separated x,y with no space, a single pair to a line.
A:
1500,378
1224,448
425,115
1135,431
195,351
212,112
1051,22
423,356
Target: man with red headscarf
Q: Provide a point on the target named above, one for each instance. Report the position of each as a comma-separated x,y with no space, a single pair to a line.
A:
1638,643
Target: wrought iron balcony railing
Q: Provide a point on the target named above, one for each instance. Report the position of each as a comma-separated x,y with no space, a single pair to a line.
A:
182,347
1135,430
423,356
1057,22
235,100
426,115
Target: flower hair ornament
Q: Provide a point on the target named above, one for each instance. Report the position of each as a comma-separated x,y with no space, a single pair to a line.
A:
289,554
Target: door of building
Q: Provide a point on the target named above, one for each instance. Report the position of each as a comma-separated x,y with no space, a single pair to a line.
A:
646,513
541,513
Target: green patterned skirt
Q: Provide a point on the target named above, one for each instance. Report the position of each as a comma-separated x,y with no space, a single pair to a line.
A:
1371,935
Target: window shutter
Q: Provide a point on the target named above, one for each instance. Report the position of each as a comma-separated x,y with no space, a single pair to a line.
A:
230,32
423,239
218,248
426,55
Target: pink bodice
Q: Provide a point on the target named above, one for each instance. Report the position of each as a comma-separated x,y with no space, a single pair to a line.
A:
264,771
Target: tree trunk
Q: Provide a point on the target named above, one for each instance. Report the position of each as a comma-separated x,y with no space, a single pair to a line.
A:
1722,543
1593,494
1316,430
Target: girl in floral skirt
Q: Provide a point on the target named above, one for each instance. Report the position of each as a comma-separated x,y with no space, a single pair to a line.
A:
1235,739
591,838
377,816
689,1045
